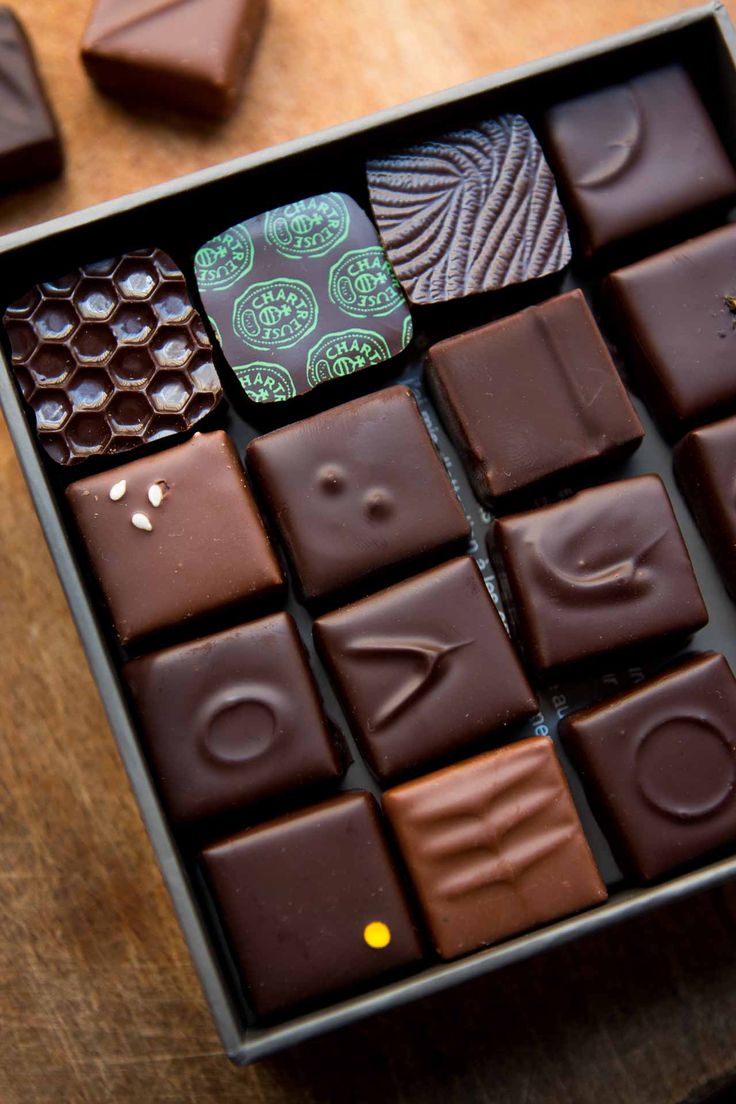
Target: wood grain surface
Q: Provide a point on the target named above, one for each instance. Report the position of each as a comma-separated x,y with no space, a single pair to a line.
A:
98,999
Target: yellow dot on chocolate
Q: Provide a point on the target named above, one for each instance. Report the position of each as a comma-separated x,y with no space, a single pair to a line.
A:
377,934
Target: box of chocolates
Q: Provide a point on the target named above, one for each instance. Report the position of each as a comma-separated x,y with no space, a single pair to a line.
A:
390,477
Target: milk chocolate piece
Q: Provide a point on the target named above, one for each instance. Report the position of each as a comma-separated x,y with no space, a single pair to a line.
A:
424,668
191,55
311,904
112,356
301,295
474,210
356,491
30,143
532,396
705,465
232,719
494,846
660,763
603,570
675,319
637,155
174,536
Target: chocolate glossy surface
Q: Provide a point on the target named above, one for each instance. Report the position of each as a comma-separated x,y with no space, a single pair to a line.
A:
494,846
470,211
312,904
424,668
674,317
357,491
30,142
112,356
532,396
660,763
637,155
232,719
174,536
191,56
301,295
603,570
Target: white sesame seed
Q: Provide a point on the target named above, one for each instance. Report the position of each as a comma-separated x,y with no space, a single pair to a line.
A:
118,490
142,522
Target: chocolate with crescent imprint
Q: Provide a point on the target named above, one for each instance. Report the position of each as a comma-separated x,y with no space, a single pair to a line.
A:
659,762
232,719
471,211
637,155
301,295
424,669
604,570
494,846
191,55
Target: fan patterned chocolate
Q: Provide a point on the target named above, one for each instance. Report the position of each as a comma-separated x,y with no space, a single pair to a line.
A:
474,211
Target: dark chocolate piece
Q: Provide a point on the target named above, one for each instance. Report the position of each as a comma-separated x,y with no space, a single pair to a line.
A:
232,719
637,155
532,396
494,846
112,356
301,295
705,465
356,491
30,142
191,55
311,904
174,536
659,762
675,317
424,668
474,210
603,570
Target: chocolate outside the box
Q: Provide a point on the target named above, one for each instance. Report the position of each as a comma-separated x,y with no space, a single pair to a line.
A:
471,211
637,155
675,321
30,142
174,537
357,492
494,846
311,904
532,396
659,763
705,466
301,295
189,56
424,669
232,719
112,356
605,570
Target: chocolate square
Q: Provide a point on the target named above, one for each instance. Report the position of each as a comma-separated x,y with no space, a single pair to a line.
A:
174,536
603,570
425,668
532,396
191,55
494,846
705,466
30,143
675,318
659,762
637,155
111,356
300,295
474,210
232,719
357,491
312,904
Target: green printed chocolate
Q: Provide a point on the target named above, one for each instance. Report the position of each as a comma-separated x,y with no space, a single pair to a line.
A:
301,295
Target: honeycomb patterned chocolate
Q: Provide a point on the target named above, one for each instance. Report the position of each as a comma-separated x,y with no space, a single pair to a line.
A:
112,356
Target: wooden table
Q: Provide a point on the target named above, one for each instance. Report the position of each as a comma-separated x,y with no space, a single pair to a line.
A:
98,999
